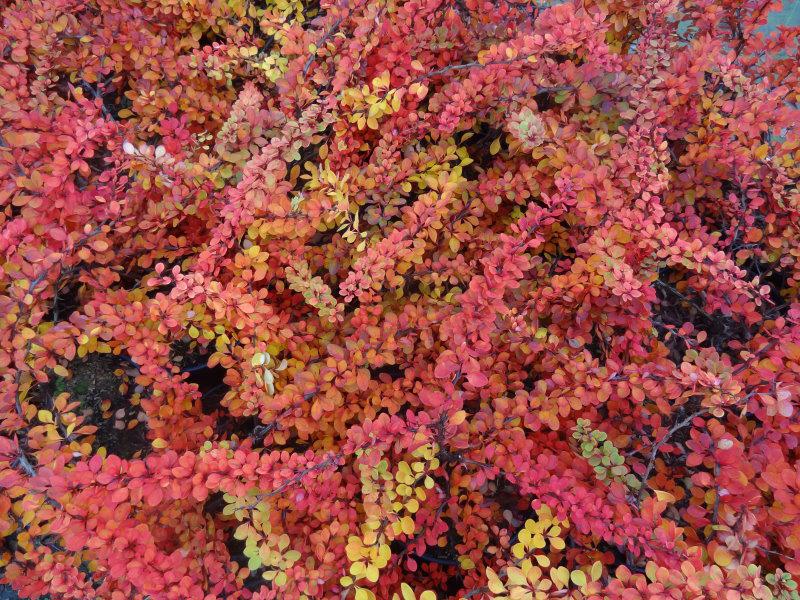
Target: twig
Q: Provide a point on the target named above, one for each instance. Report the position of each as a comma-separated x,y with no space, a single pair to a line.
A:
654,452
328,34
23,462
475,592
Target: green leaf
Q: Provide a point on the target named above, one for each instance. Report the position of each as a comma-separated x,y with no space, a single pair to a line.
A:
578,578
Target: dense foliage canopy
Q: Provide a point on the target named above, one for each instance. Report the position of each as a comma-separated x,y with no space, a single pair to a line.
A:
373,299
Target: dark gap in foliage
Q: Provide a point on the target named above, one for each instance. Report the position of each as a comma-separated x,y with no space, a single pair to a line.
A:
112,98
778,280
679,306
99,162
478,145
235,548
393,371
66,300
135,276
207,38
100,378
228,426
211,385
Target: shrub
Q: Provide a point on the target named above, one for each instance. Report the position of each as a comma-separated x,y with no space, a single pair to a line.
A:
399,299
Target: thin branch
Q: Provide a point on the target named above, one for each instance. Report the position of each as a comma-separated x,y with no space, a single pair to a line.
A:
23,462
328,34
654,452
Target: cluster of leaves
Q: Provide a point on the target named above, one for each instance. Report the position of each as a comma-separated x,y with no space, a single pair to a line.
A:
601,454
406,299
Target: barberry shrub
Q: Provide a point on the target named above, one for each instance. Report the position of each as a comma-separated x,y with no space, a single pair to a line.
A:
399,299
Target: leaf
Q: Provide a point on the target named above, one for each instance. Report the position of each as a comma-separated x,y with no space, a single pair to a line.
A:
560,576
494,147
477,379
364,594
761,151
495,585
578,578
664,496
119,496
722,557
21,139
45,416
372,573
407,525
466,563
407,592
542,560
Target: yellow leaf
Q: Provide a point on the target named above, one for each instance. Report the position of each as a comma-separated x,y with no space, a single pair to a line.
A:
395,102
557,543
60,24
466,563
372,573
722,557
427,595
494,148
495,585
518,550
543,560
597,570
515,576
362,594
761,152
45,416
560,576
578,578
408,593
662,496
407,525
159,443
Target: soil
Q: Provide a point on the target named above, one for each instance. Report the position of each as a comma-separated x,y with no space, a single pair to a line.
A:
95,379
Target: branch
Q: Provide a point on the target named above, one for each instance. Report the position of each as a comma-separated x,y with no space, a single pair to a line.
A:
651,462
23,462
328,34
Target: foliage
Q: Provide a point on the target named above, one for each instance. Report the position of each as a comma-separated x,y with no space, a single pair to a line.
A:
408,299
